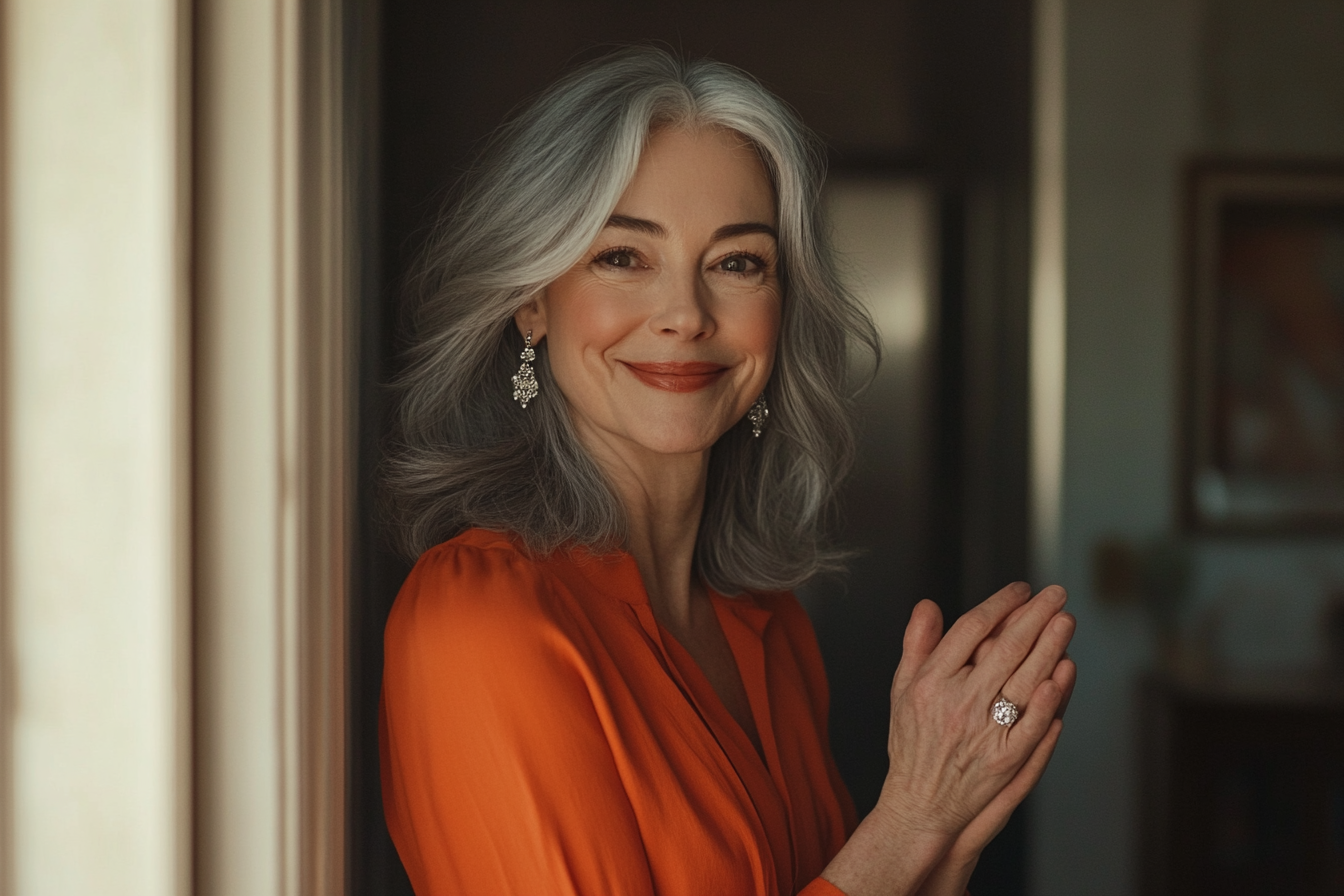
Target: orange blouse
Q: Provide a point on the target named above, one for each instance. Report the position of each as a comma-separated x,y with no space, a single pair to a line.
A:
543,734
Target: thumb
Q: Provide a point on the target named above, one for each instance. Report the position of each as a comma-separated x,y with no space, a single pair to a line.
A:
922,635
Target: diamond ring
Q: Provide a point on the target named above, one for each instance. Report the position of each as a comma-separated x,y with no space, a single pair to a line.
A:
1004,712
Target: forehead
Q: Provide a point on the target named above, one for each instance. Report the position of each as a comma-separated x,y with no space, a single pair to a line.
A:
700,175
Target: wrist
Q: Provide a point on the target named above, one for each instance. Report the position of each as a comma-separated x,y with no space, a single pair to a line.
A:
897,800
890,853
963,859
953,873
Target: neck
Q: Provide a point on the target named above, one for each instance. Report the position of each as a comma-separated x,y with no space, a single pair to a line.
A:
664,497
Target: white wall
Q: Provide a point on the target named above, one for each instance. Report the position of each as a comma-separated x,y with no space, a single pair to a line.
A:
1148,83
95,449
174,439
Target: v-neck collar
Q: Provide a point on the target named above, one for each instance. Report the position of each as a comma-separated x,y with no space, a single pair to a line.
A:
760,775
744,622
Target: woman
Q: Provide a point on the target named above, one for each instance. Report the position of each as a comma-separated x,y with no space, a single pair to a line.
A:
626,412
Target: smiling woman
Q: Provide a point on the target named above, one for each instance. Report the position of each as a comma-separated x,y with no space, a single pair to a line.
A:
679,295
596,680
543,204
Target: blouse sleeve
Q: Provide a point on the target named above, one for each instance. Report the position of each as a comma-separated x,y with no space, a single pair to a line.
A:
497,775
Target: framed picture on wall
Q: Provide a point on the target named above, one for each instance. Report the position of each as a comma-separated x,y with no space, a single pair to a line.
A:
1265,400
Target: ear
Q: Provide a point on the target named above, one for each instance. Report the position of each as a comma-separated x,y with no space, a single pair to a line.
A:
532,317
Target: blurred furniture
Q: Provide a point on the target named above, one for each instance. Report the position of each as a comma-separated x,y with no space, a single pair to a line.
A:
1242,786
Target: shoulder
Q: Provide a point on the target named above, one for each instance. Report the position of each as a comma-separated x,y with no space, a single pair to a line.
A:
477,557
477,592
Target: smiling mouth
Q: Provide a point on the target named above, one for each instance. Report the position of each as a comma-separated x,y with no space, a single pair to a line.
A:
677,376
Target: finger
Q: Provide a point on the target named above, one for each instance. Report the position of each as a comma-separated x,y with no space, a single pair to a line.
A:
1040,664
922,634
1037,718
987,825
982,649
1066,676
974,626
1029,775
1017,640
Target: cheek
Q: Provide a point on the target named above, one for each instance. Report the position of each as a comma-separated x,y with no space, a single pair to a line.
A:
757,329
766,328
583,320
592,322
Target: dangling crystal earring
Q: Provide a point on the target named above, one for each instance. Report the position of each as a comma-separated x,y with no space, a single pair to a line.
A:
757,415
525,380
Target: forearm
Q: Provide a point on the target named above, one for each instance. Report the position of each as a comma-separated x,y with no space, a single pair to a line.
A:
887,855
952,876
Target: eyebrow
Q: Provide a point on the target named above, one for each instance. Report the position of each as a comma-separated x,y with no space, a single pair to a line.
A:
639,225
653,228
731,230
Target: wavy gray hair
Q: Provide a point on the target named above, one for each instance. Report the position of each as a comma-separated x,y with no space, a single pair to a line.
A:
464,454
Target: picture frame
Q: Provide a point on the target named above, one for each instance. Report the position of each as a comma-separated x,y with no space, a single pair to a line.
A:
1264,404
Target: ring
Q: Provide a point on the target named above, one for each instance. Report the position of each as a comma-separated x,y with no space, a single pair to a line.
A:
1004,712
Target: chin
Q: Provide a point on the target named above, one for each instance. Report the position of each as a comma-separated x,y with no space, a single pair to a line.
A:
670,437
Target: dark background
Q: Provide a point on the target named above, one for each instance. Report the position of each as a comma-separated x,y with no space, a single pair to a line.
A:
933,90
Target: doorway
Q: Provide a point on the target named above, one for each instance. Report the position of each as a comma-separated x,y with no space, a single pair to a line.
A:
923,102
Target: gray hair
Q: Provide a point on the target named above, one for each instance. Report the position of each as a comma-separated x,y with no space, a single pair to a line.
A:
464,454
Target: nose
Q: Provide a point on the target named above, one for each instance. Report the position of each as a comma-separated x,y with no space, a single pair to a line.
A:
683,308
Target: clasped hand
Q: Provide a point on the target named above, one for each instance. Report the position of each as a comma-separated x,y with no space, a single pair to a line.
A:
955,776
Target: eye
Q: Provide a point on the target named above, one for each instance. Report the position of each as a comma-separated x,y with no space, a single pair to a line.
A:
741,264
618,258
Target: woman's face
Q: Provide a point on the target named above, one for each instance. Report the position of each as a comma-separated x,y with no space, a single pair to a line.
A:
663,334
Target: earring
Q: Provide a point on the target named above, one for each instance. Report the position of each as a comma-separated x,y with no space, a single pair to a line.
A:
757,415
525,380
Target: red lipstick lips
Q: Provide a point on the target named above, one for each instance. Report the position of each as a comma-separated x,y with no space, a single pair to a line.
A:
677,376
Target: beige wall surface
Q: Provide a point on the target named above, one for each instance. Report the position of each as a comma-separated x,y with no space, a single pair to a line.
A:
94,372
271,393
175,441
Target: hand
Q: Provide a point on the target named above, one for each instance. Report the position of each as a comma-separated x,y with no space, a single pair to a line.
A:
951,875
948,759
